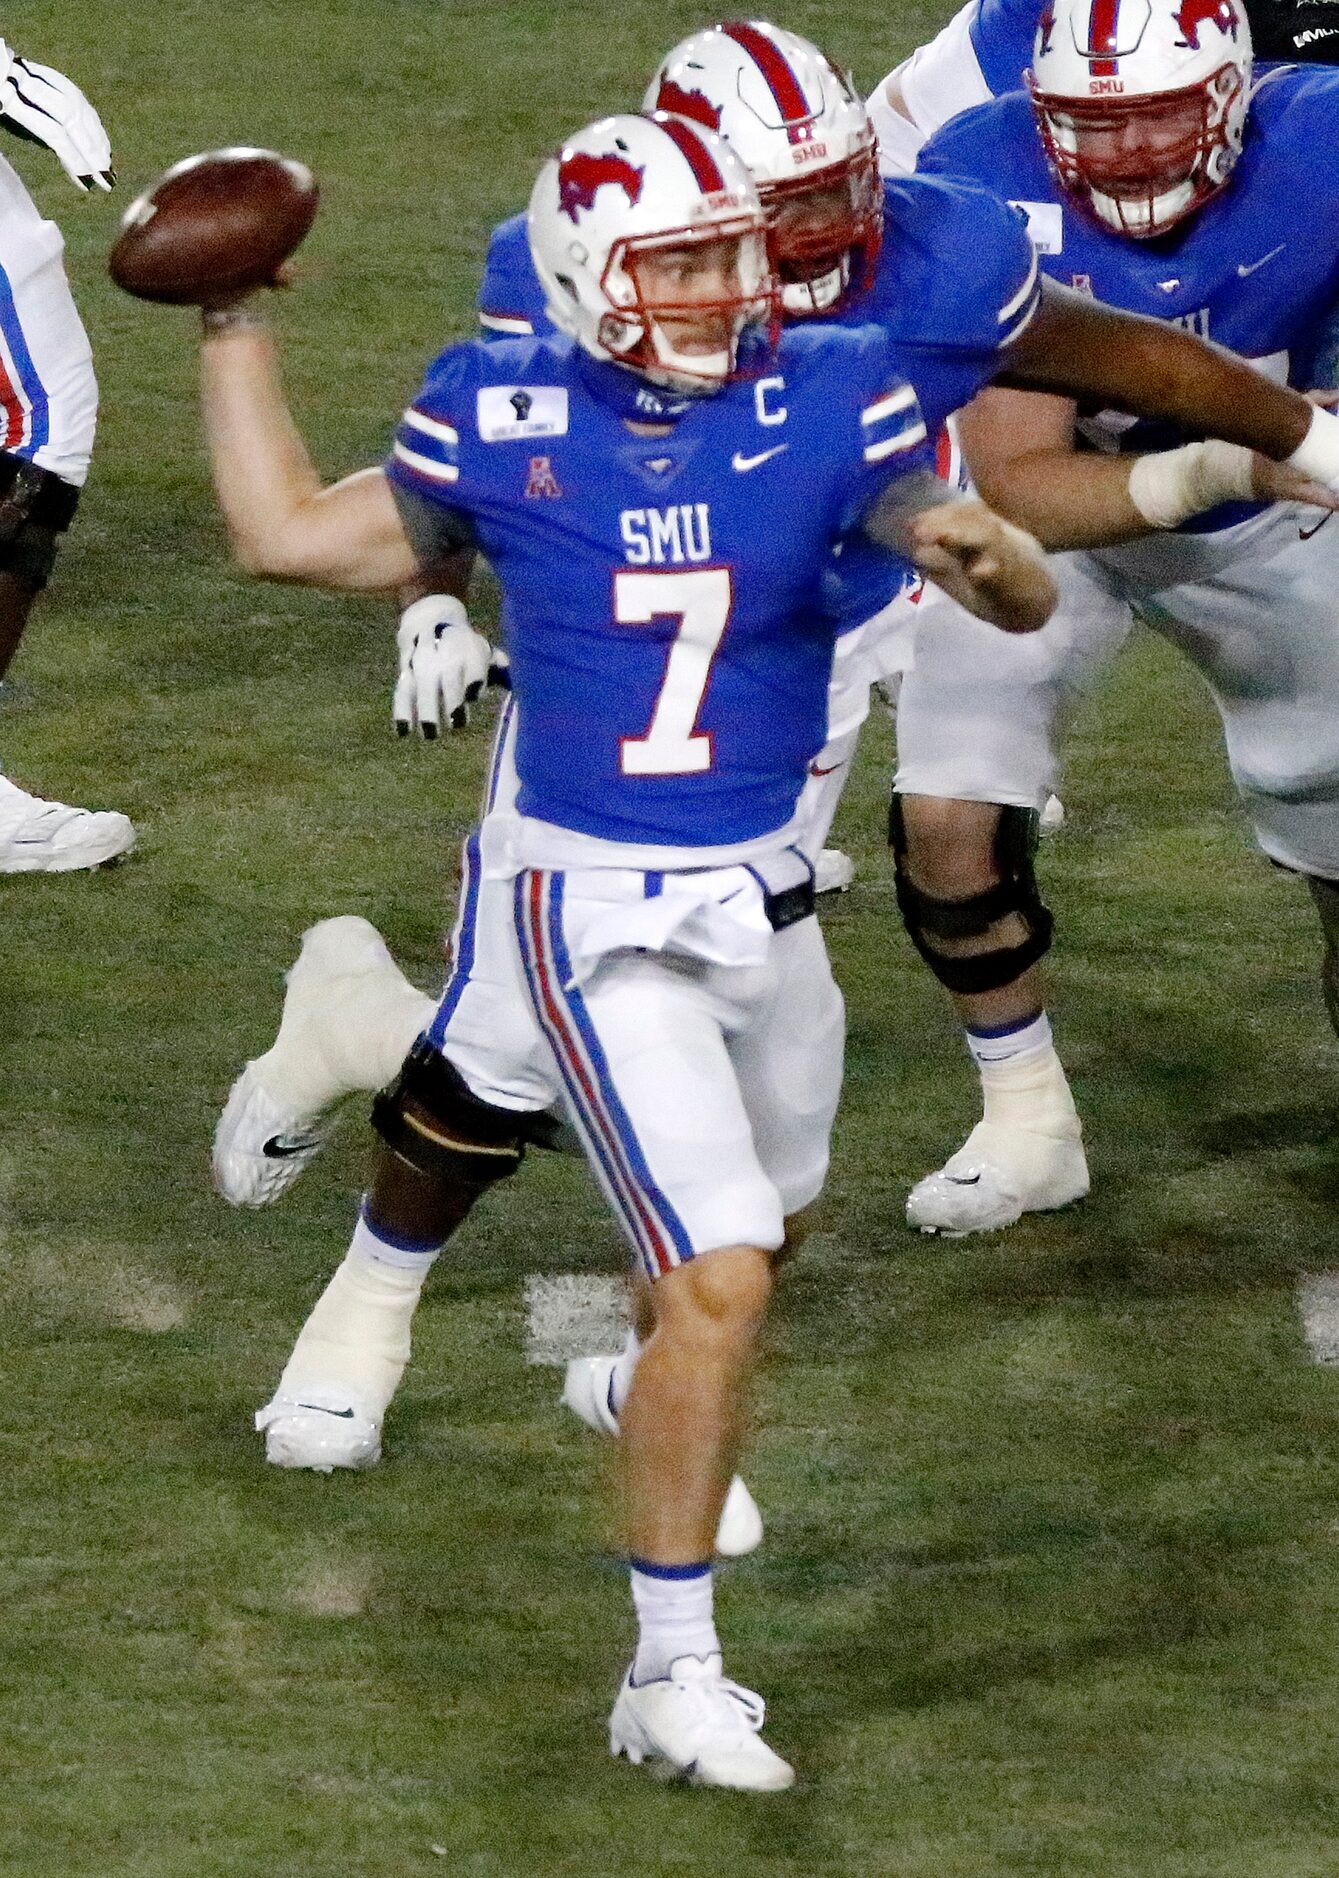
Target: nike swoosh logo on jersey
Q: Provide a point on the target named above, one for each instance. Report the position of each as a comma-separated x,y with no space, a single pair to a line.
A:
319,1408
1244,268
284,1147
741,462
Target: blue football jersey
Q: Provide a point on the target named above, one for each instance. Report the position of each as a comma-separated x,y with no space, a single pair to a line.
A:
661,595
948,318
1256,269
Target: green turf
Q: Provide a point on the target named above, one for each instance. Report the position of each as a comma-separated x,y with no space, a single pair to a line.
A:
1051,1582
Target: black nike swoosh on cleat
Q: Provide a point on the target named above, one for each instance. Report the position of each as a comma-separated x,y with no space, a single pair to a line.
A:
284,1147
343,1415
963,1180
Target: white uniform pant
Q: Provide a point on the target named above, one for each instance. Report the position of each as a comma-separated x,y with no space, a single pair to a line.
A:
48,393
1255,609
697,1053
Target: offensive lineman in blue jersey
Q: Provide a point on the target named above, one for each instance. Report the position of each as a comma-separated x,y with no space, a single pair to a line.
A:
670,662
986,48
1148,184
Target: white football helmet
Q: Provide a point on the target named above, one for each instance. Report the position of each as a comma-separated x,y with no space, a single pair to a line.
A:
784,107
1142,104
642,229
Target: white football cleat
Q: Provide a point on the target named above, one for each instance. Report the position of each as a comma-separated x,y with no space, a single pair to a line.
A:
998,1174
587,1386
1052,817
321,1428
40,837
701,1725
349,1016
833,871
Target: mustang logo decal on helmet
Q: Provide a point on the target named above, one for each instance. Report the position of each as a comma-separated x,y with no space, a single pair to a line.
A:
1192,14
581,174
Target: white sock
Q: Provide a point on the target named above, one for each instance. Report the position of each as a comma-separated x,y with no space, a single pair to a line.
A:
624,1371
1023,1083
358,1336
1003,1044
673,1605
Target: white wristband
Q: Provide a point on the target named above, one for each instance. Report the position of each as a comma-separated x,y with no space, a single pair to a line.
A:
1172,485
1317,456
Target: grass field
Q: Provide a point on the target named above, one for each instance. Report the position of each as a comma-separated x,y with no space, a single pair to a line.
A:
1052,1578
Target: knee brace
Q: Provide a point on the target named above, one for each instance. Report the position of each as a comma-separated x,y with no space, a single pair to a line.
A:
928,919
431,1118
36,507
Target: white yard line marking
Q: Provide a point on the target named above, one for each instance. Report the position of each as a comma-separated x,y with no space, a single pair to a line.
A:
1318,1306
569,1315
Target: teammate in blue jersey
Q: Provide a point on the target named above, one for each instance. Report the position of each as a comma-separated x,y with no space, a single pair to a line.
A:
1158,181
661,575
986,48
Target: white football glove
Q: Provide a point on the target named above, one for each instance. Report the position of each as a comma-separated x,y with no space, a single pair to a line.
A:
43,106
443,666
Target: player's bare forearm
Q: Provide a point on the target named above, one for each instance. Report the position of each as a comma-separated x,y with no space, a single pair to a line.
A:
1020,450
1079,349
282,523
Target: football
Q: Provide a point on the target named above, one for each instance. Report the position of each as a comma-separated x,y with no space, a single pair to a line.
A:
213,226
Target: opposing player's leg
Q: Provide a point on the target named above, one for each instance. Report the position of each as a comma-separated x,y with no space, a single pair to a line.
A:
641,1043
977,728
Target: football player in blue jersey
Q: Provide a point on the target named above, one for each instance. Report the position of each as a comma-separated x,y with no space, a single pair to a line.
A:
986,47
661,573
1155,179
349,1015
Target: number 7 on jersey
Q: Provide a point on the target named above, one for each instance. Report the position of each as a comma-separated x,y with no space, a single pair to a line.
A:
702,599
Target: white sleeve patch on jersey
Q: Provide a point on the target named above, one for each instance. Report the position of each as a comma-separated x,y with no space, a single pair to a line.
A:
506,412
1045,224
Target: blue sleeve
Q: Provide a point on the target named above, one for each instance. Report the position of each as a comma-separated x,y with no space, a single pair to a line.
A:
511,300
1002,34
963,277
891,437
424,466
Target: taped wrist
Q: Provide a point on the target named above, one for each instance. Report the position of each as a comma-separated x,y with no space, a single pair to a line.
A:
1317,456
928,919
1170,486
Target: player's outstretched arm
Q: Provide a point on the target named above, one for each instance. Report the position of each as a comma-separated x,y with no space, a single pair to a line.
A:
1080,349
986,564
282,522
1019,447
